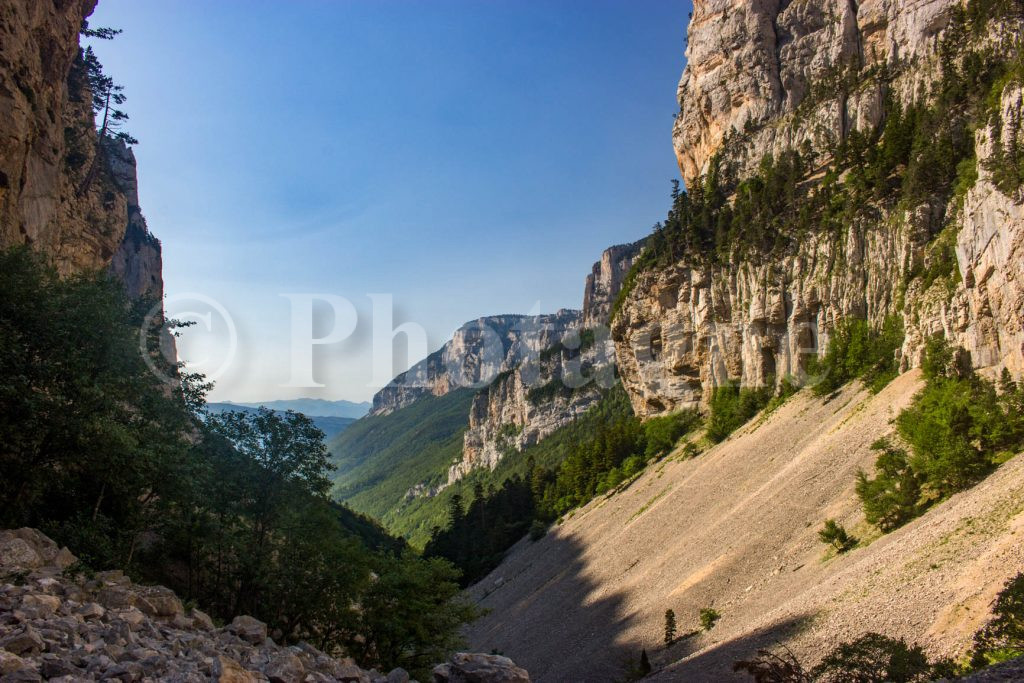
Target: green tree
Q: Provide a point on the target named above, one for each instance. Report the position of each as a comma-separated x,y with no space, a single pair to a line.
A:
892,498
409,616
91,440
708,618
107,99
836,536
874,658
670,627
1003,637
645,663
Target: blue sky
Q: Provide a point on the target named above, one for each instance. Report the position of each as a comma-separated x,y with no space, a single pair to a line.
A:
468,157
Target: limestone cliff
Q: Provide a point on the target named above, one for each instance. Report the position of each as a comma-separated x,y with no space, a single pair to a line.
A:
474,356
751,65
552,388
765,77
604,282
47,145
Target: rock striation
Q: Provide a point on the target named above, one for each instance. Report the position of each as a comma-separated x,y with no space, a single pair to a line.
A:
59,624
477,353
564,376
604,282
752,65
49,142
765,77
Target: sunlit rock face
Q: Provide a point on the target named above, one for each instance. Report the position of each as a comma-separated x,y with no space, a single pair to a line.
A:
569,373
752,64
758,81
475,355
47,146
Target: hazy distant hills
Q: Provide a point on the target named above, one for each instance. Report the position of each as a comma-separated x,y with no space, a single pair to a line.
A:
339,414
314,407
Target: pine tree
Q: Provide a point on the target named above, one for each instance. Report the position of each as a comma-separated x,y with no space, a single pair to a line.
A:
645,663
670,627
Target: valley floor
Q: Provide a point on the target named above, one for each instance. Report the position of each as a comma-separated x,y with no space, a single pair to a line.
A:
736,529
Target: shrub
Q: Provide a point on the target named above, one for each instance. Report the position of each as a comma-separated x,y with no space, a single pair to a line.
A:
835,535
708,618
857,351
538,530
890,499
732,407
771,667
959,428
874,658
670,627
664,432
1003,637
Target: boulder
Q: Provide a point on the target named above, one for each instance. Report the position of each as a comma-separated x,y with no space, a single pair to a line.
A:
91,610
27,641
285,668
17,553
41,606
398,675
249,629
230,671
10,663
157,601
201,620
466,667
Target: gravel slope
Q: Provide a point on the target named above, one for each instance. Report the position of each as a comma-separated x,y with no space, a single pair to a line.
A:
736,529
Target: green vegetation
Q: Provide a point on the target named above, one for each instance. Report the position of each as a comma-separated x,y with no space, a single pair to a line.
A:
231,511
612,447
87,79
670,627
874,658
380,458
476,538
586,339
892,498
548,392
732,407
856,351
1002,638
871,658
835,535
920,155
708,618
959,428
593,455
774,667
877,658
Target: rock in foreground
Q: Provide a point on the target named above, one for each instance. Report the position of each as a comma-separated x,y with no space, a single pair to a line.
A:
58,626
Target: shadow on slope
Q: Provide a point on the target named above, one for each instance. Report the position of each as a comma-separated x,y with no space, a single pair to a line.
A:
563,610
689,662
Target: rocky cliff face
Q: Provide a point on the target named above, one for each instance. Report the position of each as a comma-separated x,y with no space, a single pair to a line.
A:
752,65
474,357
765,77
568,373
605,281
47,145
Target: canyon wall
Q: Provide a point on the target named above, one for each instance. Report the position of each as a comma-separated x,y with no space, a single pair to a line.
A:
554,387
762,78
475,355
49,142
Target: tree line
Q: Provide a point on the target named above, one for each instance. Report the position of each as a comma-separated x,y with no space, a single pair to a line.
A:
231,511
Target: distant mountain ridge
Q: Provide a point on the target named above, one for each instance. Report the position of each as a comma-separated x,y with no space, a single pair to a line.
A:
312,407
330,425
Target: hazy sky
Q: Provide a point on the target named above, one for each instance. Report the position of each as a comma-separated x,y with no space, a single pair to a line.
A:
467,157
